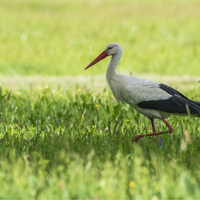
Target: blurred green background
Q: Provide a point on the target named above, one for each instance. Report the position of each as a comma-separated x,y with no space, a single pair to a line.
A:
62,37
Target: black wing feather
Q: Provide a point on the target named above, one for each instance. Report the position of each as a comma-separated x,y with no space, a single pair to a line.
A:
171,90
176,104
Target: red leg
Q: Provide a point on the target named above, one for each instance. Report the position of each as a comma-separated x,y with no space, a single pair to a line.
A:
137,137
153,126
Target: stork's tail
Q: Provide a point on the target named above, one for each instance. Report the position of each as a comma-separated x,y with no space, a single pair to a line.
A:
196,102
194,108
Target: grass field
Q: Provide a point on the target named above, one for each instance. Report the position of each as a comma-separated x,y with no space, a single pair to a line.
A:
62,134
78,146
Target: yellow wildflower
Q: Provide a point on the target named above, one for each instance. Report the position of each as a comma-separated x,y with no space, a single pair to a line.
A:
40,88
61,185
46,86
154,198
79,90
97,105
103,183
132,184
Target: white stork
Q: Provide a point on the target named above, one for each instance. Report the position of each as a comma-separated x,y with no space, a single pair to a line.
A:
152,99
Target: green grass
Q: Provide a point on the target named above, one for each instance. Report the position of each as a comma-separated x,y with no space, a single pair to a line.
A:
66,137
62,37
63,145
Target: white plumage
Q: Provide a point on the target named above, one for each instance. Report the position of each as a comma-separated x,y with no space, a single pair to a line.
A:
134,90
152,99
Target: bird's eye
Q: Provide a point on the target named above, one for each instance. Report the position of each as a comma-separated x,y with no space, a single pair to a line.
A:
110,48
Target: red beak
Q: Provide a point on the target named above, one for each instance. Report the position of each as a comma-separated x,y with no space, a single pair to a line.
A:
97,59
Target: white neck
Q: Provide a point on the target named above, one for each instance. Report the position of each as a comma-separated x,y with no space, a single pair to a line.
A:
112,67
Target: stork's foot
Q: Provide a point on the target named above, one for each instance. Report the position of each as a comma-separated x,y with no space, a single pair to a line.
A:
137,137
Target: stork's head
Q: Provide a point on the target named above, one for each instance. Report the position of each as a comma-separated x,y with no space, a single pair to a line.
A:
111,49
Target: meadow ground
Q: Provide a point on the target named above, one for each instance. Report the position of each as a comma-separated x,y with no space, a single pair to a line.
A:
62,134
